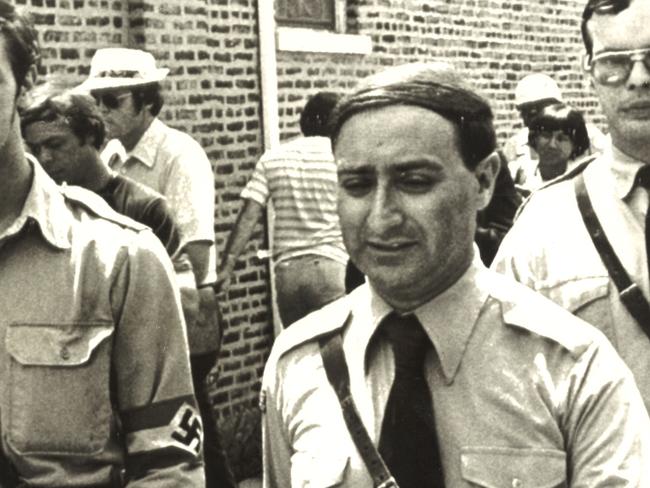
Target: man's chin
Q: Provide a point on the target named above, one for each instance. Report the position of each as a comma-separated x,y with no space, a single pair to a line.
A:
397,287
635,134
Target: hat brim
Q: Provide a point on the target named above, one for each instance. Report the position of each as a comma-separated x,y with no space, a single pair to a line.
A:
108,83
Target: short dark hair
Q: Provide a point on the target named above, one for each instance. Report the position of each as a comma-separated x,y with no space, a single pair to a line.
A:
22,42
78,110
601,7
561,117
433,86
316,113
150,93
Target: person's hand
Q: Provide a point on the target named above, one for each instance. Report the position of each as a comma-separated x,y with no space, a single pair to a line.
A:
207,316
223,281
224,274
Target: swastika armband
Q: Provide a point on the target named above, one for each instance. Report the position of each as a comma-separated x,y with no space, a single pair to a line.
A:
163,431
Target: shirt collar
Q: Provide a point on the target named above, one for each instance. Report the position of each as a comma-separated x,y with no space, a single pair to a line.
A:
146,148
44,206
449,318
624,168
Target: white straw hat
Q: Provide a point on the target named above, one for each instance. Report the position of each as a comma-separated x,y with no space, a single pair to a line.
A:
118,67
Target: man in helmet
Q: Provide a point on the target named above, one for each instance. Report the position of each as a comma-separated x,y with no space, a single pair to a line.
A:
534,92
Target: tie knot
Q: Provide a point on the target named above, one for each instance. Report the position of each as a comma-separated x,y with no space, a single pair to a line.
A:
408,340
643,177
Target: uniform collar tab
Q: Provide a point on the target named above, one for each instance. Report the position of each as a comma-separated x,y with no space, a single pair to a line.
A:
45,208
450,317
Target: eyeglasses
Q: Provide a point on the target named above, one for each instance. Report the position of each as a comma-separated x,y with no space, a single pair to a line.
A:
110,100
604,7
612,68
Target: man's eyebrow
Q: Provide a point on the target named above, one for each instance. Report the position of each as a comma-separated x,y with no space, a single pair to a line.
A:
350,169
47,140
422,163
398,167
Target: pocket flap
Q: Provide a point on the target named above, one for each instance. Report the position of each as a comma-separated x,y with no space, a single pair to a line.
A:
500,467
55,344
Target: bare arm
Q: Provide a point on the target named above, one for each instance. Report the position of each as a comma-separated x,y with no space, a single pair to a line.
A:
247,219
199,254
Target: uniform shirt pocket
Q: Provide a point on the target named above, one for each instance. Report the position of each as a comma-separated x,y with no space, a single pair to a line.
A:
309,471
501,467
59,393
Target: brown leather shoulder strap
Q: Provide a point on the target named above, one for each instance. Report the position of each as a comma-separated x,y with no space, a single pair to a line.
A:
331,350
630,293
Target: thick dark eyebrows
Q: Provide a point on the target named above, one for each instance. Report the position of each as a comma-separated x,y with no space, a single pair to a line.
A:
366,169
398,167
423,163
48,140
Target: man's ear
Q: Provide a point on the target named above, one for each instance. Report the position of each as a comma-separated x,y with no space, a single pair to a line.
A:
87,140
486,172
28,83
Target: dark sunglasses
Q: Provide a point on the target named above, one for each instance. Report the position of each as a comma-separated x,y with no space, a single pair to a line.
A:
604,7
612,68
109,100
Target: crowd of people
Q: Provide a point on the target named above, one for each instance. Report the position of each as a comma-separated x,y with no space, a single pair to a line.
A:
456,313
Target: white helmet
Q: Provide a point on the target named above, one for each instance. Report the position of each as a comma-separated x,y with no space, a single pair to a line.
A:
536,87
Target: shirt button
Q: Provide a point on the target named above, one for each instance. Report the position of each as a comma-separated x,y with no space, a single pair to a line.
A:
517,483
65,353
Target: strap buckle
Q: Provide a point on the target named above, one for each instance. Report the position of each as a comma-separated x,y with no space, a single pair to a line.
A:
389,483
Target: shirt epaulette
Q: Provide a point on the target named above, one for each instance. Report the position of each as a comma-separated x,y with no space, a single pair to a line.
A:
569,175
94,204
333,317
541,319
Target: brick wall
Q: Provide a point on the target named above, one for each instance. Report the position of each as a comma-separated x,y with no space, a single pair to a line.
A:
213,92
495,42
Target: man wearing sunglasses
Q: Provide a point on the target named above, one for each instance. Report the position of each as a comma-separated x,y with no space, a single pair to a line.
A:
581,241
126,85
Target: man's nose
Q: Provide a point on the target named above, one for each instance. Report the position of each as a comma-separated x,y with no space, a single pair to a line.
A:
385,212
44,156
639,76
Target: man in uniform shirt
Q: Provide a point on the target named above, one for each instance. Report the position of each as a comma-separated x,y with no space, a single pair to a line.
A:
524,393
549,248
95,385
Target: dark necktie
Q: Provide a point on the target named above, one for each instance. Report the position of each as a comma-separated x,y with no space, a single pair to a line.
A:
408,441
643,180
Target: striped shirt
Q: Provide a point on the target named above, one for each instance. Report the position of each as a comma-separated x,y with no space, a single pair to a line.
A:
300,178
